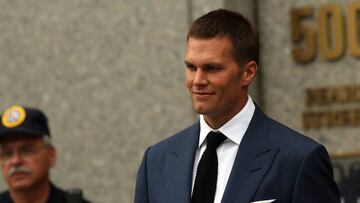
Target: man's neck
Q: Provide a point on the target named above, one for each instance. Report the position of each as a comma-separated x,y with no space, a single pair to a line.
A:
216,121
38,194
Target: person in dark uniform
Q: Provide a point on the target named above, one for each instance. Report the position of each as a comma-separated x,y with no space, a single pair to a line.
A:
26,157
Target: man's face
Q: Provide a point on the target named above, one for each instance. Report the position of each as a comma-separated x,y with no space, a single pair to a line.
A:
217,85
25,162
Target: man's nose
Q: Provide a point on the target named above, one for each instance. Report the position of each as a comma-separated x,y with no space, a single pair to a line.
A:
200,77
16,158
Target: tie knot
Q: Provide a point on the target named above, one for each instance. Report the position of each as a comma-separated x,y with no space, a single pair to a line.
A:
214,139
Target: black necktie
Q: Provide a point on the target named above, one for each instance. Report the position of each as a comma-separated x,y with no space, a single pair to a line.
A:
206,174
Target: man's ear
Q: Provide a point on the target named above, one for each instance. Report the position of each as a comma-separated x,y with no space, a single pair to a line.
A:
249,72
52,156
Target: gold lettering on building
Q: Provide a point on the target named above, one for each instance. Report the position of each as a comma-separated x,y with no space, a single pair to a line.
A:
325,31
332,95
329,119
325,97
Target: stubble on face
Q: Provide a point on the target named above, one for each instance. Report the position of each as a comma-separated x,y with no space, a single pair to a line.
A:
214,79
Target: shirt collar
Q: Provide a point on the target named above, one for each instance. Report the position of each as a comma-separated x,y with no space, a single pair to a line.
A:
235,128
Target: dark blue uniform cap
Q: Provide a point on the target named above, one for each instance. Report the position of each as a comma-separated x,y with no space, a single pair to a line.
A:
18,120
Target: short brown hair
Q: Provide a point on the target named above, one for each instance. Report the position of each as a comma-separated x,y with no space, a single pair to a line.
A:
225,23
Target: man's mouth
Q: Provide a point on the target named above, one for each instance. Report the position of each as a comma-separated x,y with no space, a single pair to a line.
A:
19,175
202,94
19,171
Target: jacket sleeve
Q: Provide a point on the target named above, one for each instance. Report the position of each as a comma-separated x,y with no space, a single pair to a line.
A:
315,182
141,188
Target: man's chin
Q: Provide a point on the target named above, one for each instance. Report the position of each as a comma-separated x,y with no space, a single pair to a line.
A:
20,186
201,110
18,183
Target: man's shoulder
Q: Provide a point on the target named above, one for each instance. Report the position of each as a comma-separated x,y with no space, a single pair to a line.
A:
290,142
69,195
3,193
5,197
189,134
74,196
279,134
285,135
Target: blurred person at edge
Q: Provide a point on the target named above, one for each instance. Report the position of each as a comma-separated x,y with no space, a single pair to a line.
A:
26,157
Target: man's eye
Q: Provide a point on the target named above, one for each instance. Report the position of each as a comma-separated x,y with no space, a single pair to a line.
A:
27,150
212,68
191,67
7,153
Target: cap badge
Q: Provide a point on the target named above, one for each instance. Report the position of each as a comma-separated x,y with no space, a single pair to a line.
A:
13,116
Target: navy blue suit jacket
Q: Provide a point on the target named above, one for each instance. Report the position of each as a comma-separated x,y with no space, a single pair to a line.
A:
272,162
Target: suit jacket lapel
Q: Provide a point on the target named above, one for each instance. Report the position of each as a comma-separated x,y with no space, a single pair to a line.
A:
253,159
180,162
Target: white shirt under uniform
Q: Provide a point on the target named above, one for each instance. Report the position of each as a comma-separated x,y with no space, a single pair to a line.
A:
234,130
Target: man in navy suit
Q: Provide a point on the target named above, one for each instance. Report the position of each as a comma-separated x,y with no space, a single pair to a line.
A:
260,160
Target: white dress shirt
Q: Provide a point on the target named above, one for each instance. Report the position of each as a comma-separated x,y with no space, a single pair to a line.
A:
234,130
